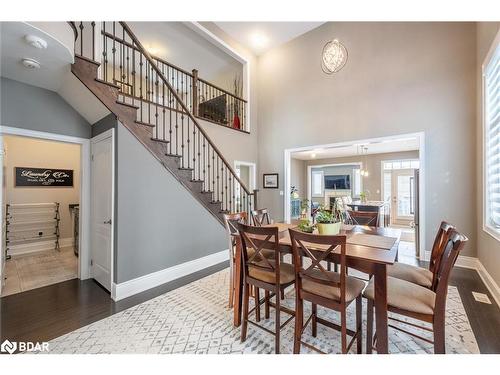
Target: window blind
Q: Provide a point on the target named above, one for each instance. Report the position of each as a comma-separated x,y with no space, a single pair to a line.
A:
492,138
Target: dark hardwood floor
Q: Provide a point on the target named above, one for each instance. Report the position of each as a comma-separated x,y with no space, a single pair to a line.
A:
46,313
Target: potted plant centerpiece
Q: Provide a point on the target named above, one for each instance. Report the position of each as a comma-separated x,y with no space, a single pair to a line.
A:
328,221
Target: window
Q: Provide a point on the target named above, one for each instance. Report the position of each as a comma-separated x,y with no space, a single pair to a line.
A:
491,149
317,183
401,164
357,182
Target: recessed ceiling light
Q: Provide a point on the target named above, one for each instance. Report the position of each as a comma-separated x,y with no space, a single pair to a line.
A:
313,156
35,41
259,40
30,63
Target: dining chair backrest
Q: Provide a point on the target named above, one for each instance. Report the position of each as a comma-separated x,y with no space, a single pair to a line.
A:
438,246
454,243
369,218
259,239
230,221
318,248
260,217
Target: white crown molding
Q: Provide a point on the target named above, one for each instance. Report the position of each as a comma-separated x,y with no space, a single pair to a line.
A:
142,283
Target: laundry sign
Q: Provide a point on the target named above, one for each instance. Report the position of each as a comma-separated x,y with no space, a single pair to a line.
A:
44,177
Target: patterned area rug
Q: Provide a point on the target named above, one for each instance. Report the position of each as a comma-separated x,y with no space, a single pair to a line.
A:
195,319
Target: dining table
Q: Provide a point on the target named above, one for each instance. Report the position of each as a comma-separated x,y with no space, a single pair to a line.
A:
368,249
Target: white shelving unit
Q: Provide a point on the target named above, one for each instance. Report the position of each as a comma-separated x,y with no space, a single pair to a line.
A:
30,223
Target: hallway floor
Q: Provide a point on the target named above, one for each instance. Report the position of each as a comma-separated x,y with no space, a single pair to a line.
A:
31,271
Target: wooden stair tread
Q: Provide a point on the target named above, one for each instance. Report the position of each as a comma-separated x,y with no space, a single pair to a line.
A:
87,59
127,105
144,123
107,83
159,140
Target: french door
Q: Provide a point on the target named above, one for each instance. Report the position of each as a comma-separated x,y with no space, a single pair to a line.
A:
403,196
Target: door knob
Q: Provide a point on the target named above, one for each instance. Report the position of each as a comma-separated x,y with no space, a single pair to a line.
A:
107,222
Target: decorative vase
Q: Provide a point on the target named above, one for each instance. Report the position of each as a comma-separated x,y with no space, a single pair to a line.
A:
330,228
236,122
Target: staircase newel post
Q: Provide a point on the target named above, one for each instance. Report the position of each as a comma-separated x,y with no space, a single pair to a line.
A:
255,199
194,94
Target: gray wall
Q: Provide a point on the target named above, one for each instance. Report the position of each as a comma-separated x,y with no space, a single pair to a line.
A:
488,248
400,78
159,223
34,108
298,177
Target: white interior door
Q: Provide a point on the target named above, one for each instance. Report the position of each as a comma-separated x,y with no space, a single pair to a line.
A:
403,210
102,210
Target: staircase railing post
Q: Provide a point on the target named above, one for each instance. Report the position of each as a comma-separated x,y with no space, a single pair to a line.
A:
255,191
194,94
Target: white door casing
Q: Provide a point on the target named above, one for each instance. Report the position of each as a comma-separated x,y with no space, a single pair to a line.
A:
102,185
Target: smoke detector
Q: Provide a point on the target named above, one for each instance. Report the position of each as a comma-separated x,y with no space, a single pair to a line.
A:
35,41
30,63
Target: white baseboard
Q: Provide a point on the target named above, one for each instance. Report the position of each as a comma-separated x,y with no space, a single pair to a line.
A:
38,246
475,263
140,284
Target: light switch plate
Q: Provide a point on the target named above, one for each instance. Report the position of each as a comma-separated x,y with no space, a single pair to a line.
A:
281,192
481,297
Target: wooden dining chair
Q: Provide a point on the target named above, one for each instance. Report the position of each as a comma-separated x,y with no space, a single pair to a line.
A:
425,277
230,221
369,218
333,290
260,217
264,273
414,301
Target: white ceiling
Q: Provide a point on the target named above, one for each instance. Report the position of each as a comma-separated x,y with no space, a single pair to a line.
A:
54,60
379,147
276,33
54,73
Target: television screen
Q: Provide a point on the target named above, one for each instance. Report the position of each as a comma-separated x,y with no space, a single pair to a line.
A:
337,182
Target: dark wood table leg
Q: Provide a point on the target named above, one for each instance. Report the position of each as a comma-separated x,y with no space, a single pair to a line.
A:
238,284
381,308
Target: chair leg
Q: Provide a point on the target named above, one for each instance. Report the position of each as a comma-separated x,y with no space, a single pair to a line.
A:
343,330
231,281
314,320
266,304
328,266
369,327
278,324
359,324
299,323
257,304
439,338
246,299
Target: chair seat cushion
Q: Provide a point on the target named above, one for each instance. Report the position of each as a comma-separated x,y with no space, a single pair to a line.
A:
404,295
413,274
353,288
287,273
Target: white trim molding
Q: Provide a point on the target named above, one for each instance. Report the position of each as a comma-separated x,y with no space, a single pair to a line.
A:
475,264
142,283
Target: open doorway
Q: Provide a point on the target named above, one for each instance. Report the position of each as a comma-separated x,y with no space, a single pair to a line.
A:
41,212
380,174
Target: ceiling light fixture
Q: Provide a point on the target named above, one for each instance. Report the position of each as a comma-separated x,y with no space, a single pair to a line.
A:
35,41
259,40
30,63
333,57
313,156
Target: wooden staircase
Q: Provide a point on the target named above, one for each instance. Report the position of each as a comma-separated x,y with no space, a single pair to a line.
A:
144,101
